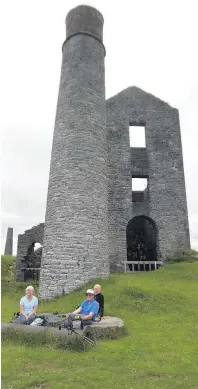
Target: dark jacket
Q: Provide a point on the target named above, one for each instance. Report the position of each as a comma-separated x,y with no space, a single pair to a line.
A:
100,299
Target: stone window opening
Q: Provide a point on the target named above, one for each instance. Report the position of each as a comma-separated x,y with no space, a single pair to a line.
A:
139,184
137,136
139,189
37,246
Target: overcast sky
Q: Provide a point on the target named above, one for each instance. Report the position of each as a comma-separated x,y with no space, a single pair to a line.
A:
150,44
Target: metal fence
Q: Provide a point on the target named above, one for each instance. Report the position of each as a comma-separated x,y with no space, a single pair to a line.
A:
141,265
32,273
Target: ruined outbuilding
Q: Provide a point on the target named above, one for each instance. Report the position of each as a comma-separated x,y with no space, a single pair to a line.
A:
95,221
28,261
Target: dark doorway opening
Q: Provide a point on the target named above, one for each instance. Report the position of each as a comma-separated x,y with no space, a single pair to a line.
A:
32,262
141,241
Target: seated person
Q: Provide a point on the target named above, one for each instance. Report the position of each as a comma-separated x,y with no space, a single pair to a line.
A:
28,306
99,297
87,312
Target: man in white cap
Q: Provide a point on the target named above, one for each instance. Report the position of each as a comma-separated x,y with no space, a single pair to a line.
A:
87,312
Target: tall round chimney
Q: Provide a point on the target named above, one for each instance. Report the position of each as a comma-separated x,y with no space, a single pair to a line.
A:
75,239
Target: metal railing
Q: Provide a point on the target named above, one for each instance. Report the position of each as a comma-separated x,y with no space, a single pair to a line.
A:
156,264
32,273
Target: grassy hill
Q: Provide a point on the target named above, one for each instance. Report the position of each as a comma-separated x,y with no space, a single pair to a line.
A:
160,312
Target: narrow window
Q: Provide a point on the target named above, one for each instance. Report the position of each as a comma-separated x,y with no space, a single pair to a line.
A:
139,184
137,136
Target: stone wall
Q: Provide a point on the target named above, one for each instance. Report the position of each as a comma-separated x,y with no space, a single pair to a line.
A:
35,234
166,185
140,205
139,162
120,187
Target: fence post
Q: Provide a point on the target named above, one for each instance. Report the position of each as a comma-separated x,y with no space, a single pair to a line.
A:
149,266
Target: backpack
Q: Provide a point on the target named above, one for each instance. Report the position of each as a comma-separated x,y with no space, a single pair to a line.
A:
37,322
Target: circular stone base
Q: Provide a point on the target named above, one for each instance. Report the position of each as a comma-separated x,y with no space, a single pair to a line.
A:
109,327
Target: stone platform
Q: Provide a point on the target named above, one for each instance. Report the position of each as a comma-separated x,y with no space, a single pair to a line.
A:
52,319
110,327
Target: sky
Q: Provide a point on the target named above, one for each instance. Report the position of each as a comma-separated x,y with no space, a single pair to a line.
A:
150,44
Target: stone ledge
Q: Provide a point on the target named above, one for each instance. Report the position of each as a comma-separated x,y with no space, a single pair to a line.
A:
21,328
110,328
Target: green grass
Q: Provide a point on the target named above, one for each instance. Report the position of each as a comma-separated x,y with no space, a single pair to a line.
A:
7,268
159,351
185,256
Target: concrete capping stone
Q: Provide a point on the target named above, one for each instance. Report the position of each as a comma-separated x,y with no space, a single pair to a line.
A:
84,18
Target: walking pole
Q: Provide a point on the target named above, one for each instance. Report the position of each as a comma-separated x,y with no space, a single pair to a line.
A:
71,330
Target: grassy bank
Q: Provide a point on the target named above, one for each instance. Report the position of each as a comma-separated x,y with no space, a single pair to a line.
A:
159,352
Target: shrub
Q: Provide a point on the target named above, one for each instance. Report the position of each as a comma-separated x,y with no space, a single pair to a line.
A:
8,268
185,256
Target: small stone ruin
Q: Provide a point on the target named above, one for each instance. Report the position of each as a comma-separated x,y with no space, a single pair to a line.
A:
28,261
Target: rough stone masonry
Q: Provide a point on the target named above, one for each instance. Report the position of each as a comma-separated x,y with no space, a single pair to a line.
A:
9,242
90,201
76,225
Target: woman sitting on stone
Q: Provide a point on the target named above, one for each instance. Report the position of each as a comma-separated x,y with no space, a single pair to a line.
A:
28,306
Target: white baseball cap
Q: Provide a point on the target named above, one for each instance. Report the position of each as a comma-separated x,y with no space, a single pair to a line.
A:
90,291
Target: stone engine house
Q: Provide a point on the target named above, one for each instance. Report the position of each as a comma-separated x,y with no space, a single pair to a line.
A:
94,219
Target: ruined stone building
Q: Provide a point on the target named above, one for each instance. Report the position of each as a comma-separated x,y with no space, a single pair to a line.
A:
28,260
94,219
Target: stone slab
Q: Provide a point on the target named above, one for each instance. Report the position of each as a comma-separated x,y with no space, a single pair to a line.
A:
18,328
109,327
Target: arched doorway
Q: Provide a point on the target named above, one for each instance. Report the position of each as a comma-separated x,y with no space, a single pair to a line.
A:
32,261
141,240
